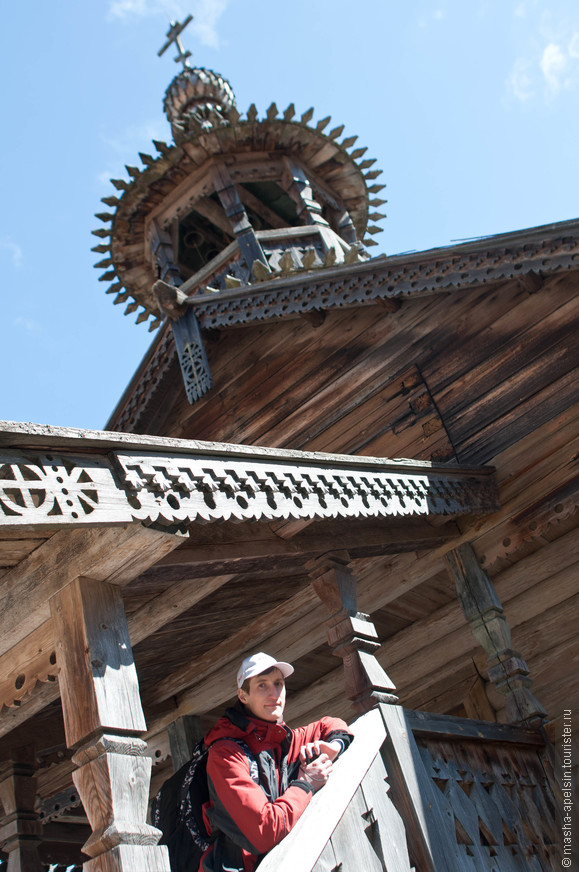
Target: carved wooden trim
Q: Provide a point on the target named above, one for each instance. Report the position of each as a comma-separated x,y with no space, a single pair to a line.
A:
482,608
55,489
351,635
471,265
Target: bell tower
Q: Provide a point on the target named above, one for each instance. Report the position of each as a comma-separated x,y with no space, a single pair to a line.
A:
232,202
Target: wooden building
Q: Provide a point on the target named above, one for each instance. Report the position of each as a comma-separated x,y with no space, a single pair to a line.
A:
245,497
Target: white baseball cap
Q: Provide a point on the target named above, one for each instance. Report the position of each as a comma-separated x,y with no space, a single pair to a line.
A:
258,663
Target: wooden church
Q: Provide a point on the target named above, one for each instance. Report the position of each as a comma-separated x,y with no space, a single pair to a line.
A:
366,466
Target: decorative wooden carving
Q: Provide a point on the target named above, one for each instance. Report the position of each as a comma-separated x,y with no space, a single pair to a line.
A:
20,827
351,635
49,489
482,608
186,330
473,796
103,722
235,210
299,187
192,356
137,402
469,265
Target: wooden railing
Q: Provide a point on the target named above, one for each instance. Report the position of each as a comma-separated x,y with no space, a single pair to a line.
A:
431,793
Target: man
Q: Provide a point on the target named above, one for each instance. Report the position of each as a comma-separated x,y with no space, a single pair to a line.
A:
261,774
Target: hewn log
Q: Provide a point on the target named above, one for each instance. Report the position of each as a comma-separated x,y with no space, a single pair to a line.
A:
103,722
351,635
20,828
484,612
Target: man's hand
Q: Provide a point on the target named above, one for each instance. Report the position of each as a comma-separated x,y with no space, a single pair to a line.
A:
317,772
314,749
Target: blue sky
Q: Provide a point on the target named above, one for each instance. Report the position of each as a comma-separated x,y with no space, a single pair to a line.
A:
471,109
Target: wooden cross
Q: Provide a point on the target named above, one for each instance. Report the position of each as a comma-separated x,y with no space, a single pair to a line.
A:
174,36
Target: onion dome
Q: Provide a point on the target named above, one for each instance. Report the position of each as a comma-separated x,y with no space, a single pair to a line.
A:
196,100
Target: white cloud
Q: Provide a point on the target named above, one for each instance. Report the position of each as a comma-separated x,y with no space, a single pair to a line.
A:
140,8
553,64
547,40
27,324
14,250
520,80
206,14
205,17
424,20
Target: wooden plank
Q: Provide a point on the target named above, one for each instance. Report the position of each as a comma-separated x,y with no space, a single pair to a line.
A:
162,609
520,344
314,829
115,554
326,862
449,727
501,316
351,845
243,546
386,828
15,548
517,422
212,674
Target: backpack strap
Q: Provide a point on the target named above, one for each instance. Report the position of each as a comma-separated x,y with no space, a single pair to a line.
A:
251,761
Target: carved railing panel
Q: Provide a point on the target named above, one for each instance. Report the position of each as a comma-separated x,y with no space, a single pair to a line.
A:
460,796
497,800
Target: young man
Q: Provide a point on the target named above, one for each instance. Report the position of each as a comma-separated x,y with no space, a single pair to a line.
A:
261,774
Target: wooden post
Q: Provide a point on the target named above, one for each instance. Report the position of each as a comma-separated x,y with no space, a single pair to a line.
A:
483,610
104,721
20,828
184,733
350,634
248,242
299,188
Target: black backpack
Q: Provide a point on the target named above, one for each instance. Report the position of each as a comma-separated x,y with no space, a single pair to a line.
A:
177,809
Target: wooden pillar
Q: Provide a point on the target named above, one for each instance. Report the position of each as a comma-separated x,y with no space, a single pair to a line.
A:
104,722
20,827
248,242
299,188
184,733
482,608
351,635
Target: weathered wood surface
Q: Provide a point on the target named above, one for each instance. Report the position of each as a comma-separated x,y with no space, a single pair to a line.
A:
103,721
98,683
310,835
415,797
114,554
448,727
29,664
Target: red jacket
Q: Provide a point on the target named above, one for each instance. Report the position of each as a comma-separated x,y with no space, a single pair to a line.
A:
254,799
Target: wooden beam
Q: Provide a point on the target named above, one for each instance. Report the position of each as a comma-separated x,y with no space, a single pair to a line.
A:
239,545
114,554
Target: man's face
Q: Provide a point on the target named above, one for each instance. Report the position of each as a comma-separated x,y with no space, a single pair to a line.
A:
266,696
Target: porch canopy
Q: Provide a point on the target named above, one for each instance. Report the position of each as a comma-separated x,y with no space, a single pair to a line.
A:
192,554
